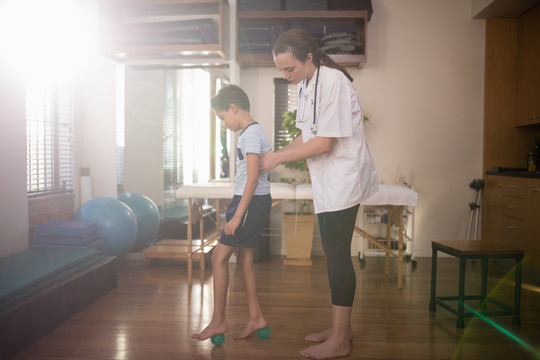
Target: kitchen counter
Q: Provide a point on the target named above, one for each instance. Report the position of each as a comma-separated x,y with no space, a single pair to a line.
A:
513,172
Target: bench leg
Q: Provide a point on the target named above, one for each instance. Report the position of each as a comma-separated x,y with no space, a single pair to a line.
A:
190,243
201,231
432,304
461,294
517,293
483,294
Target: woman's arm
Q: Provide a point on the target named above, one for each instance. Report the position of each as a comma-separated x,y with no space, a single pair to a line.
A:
305,150
296,142
252,162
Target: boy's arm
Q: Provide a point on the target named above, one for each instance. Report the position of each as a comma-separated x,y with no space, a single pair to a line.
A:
252,162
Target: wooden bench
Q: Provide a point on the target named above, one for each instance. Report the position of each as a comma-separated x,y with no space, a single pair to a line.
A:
40,288
481,250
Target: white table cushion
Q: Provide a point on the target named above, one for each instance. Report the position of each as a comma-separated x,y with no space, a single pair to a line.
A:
387,195
282,191
211,190
393,195
303,192
225,190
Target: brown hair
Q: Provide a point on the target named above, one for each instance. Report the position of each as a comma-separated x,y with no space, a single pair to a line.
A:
299,43
230,94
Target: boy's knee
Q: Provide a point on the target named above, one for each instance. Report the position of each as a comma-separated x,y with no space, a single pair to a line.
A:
219,257
215,258
245,257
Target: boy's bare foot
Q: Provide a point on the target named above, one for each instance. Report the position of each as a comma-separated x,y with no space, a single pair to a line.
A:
323,335
327,350
251,326
211,330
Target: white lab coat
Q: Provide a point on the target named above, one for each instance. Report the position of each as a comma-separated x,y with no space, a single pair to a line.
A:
346,175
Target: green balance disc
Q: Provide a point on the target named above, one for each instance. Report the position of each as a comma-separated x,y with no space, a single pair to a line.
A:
218,339
263,333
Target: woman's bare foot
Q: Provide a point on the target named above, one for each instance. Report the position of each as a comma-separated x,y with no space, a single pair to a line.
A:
211,330
323,335
328,349
251,326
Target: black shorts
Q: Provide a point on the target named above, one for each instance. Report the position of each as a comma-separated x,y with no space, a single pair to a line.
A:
252,225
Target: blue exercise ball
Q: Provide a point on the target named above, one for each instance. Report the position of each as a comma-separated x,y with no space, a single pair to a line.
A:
147,215
117,223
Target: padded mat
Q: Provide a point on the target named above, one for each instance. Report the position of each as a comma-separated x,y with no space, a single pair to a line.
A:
28,271
62,240
66,228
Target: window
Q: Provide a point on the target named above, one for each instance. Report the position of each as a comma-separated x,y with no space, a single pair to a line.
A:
194,139
286,99
49,139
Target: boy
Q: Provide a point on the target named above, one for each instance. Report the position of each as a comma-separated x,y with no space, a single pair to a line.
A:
246,215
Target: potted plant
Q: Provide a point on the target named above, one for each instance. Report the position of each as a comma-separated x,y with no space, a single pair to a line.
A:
298,226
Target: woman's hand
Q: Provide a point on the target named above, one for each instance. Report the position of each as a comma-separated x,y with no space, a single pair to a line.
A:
268,161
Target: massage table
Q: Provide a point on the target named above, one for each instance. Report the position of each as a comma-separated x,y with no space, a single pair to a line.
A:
393,196
211,190
397,198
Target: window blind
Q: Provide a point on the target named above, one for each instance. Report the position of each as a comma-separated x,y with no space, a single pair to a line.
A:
172,172
285,99
49,132
120,127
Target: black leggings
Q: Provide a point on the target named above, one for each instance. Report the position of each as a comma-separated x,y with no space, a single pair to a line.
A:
337,229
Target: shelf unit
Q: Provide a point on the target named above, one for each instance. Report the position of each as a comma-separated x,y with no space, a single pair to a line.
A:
165,32
267,25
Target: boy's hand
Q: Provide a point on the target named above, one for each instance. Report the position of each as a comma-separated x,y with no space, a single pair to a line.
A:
231,226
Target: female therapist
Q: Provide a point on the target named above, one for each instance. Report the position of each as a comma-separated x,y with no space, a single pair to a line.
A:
340,165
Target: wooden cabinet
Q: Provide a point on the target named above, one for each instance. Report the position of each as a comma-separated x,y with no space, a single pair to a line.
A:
511,215
535,223
514,211
258,30
493,203
504,144
528,69
165,32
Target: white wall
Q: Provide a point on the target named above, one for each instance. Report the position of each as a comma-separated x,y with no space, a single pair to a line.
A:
422,88
143,162
13,204
95,116
96,125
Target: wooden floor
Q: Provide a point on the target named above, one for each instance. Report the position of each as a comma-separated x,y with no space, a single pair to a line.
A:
153,312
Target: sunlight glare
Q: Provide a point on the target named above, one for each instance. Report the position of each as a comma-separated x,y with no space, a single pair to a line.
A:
526,346
55,37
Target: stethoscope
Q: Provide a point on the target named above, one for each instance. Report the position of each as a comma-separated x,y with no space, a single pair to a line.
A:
314,125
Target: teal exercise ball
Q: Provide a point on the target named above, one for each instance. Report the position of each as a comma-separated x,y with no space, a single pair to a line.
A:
147,215
117,224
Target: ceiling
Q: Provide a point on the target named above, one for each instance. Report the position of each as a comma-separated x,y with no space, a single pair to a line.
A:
505,8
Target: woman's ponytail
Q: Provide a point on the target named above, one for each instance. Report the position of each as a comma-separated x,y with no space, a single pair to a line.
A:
326,60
